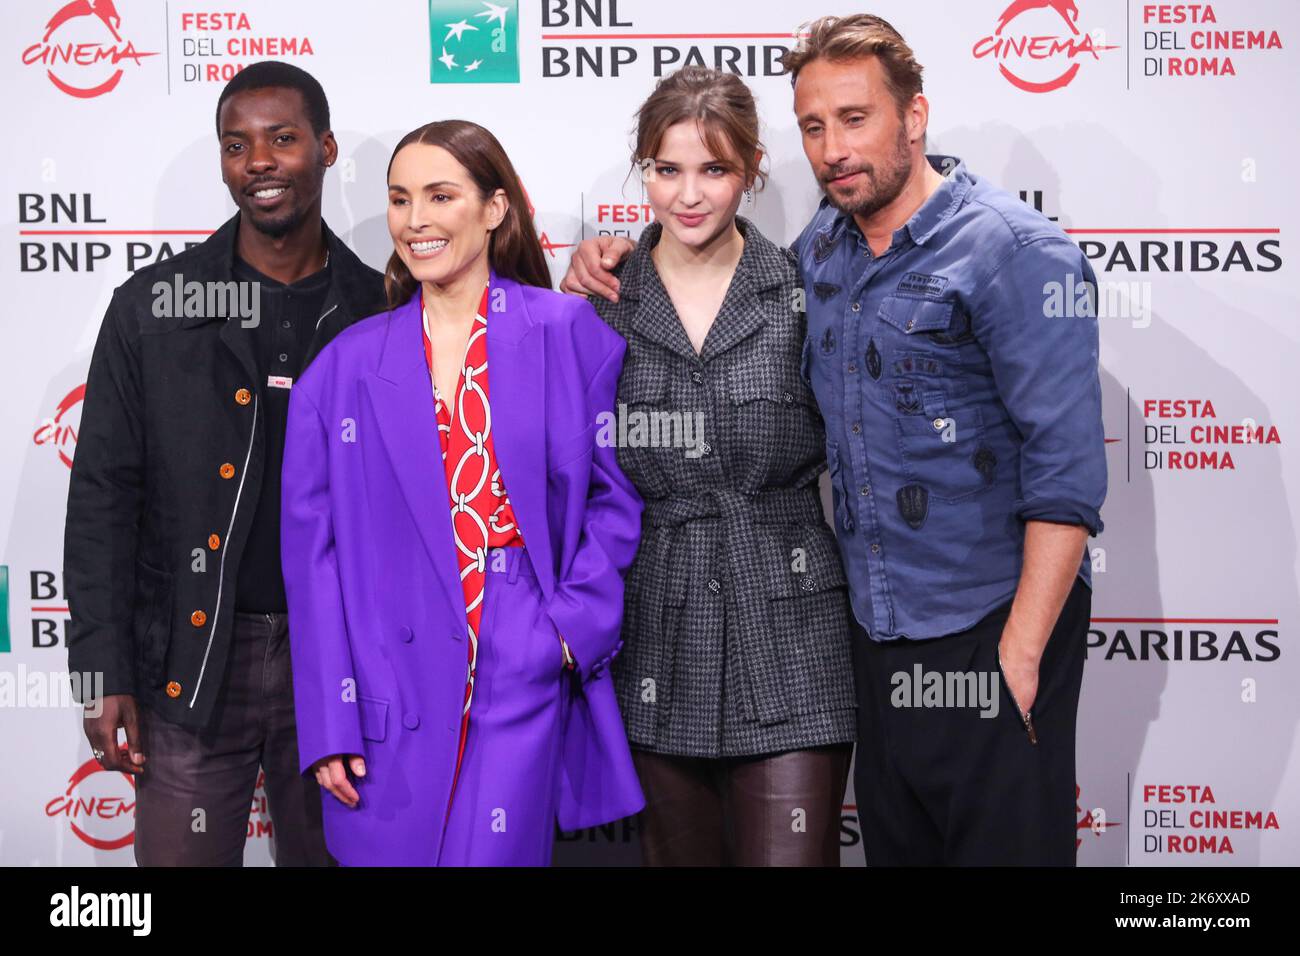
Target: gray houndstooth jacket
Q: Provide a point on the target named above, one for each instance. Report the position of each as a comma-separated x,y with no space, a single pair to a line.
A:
736,620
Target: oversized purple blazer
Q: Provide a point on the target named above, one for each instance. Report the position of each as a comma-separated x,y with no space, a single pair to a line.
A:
376,610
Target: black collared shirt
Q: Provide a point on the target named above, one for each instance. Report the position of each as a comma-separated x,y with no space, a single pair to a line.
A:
287,322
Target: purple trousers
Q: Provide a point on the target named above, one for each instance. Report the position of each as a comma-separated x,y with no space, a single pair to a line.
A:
503,809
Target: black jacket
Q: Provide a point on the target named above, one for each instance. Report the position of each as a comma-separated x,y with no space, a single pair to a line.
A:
166,479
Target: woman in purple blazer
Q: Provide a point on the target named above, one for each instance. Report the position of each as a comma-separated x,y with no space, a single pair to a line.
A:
454,568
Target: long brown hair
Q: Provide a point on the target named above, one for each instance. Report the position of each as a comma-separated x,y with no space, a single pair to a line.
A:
514,251
720,103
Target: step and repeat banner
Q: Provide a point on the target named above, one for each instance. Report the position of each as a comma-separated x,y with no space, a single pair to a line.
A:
1160,136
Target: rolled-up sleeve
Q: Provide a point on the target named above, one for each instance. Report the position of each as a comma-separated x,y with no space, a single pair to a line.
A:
1035,316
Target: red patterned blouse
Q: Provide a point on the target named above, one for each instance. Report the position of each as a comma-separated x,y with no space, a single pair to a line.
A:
481,515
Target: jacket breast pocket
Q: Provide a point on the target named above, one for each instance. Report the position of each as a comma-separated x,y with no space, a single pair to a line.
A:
775,410
643,434
945,452
769,381
573,449
644,381
152,622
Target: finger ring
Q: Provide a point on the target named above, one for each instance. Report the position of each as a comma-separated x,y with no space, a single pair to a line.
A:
99,754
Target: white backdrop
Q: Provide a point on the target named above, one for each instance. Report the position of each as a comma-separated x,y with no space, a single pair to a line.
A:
1178,186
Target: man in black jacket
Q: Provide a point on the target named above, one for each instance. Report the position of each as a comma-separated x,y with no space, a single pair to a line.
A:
172,542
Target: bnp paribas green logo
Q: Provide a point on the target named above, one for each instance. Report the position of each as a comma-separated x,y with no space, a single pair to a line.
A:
474,41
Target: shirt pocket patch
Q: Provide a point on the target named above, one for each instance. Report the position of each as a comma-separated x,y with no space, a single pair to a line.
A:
920,398
926,320
945,454
914,316
912,364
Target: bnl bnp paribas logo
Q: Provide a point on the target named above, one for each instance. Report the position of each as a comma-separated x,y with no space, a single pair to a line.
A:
473,41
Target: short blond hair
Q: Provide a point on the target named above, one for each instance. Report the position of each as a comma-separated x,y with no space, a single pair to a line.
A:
861,35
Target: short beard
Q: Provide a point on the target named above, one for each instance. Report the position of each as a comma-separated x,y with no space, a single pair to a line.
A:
278,228
884,188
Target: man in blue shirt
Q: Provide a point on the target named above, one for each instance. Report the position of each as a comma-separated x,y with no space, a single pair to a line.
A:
952,347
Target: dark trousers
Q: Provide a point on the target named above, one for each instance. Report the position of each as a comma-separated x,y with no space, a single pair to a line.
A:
195,795
772,810
943,785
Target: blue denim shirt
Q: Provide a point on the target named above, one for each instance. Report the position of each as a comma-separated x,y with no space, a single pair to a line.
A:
957,374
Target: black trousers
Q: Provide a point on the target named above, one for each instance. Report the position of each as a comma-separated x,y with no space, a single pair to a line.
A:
944,785
195,795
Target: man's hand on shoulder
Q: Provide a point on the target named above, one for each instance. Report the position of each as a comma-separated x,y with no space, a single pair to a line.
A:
590,267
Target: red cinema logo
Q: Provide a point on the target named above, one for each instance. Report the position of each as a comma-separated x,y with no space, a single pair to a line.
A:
547,246
61,430
87,64
108,818
1042,61
1086,821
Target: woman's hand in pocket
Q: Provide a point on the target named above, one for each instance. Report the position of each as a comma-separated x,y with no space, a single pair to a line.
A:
566,655
333,777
